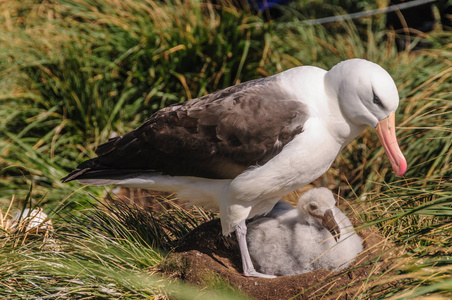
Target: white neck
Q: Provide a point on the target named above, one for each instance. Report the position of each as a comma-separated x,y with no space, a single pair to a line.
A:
342,129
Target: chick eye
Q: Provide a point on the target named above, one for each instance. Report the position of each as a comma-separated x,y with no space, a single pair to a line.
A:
312,206
377,101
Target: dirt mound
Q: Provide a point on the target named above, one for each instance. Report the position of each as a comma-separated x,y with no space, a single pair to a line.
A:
205,254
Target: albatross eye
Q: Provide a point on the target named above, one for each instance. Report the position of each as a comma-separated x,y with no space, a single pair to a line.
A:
377,101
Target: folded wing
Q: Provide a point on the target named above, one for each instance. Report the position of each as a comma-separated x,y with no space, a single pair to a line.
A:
216,136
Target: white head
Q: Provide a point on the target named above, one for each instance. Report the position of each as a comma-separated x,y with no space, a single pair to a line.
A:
367,95
316,207
365,91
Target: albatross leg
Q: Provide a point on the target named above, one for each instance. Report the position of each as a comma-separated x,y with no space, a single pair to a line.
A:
248,268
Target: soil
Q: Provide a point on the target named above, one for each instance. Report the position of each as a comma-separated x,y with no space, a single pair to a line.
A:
205,254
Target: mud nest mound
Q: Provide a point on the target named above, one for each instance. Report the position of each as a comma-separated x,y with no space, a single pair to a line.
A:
205,254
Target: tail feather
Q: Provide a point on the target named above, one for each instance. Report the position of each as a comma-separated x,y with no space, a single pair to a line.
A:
92,170
74,175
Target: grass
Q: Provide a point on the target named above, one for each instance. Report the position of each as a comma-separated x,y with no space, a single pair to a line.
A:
96,254
416,216
73,72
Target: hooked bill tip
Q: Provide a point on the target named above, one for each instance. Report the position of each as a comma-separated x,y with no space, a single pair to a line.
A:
330,223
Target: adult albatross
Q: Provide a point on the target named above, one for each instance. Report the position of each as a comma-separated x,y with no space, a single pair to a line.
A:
242,148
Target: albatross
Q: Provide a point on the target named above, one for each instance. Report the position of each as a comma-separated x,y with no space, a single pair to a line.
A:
241,149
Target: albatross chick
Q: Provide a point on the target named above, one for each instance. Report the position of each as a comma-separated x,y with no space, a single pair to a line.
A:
315,235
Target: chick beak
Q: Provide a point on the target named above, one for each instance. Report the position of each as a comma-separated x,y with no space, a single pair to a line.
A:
330,223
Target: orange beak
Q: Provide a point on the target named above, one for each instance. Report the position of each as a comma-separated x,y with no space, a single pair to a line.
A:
386,133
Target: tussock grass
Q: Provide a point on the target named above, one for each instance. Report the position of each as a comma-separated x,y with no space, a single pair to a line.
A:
72,73
415,216
96,254
158,229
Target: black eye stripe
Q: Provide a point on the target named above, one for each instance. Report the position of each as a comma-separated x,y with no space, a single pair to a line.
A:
377,101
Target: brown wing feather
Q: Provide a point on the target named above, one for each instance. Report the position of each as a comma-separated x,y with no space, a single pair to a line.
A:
215,136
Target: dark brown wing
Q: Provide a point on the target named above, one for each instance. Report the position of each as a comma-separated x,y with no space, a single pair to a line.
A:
215,136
